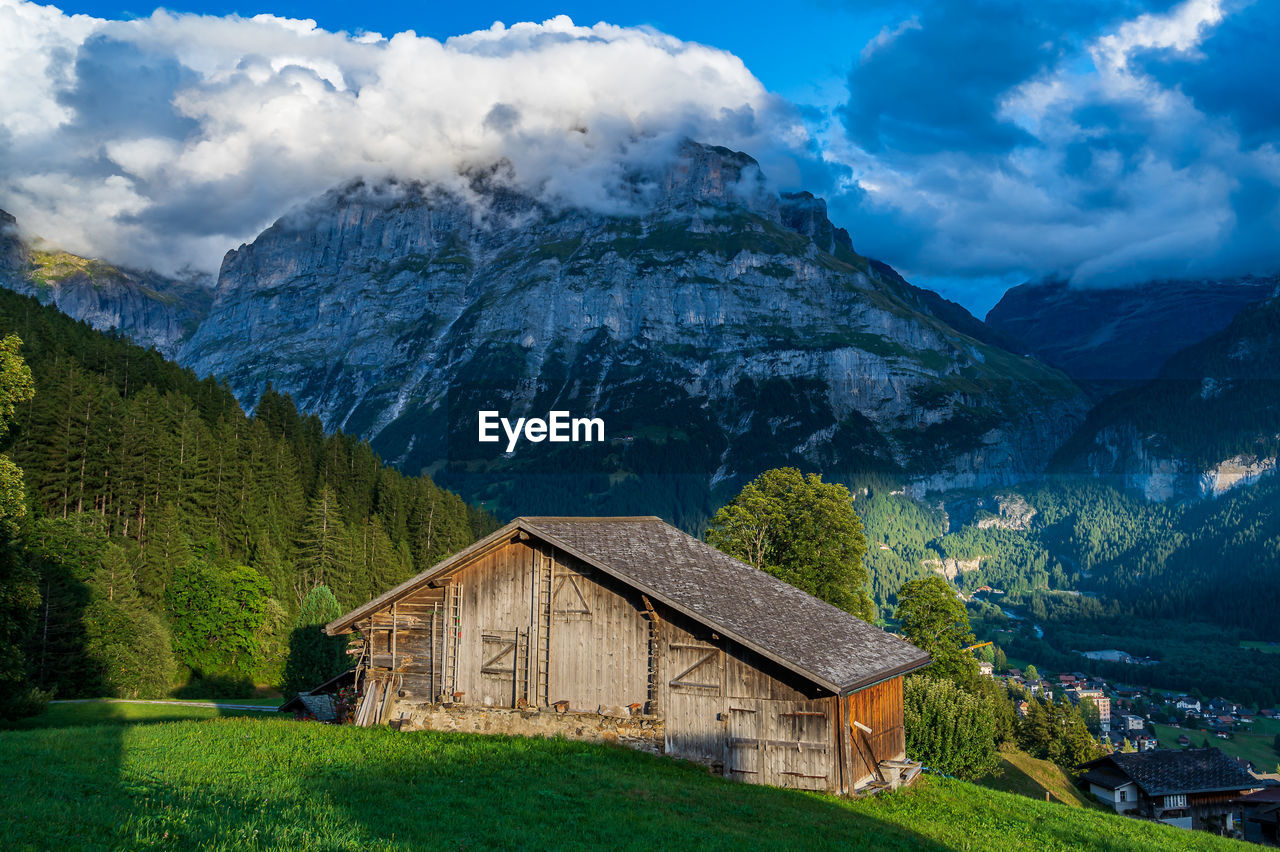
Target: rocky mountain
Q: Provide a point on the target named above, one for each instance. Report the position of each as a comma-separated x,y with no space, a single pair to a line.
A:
1111,337
1208,423
151,309
717,328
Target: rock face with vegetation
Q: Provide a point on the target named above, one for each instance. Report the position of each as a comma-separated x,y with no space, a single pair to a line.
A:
151,309
718,328
1206,425
1115,336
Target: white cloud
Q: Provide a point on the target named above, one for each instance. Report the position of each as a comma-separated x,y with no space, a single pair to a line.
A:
166,140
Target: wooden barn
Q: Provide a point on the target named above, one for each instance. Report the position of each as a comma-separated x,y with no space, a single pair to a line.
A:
587,626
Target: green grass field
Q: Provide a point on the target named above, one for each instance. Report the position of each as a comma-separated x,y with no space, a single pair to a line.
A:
59,715
271,783
1023,774
1257,746
1264,647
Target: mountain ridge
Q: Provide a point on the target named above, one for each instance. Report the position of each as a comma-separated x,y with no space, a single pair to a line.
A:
721,316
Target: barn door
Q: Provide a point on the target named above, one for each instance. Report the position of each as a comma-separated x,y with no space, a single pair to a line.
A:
694,672
783,743
802,752
499,658
744,752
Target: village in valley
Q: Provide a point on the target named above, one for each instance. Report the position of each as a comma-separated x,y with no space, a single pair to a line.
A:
1192,762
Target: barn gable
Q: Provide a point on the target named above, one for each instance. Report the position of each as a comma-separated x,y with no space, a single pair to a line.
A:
825,645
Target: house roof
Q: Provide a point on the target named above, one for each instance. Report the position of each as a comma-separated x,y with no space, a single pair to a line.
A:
812,638
1165,771
1107,777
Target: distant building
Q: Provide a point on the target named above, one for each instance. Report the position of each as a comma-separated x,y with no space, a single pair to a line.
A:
1261,813
1098,699
1130,722
1188,704
1195,788
986,668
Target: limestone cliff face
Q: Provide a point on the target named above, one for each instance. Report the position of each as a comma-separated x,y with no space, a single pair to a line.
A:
149,308
717,328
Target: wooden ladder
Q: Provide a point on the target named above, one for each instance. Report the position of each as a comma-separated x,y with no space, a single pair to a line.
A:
453,637
540,646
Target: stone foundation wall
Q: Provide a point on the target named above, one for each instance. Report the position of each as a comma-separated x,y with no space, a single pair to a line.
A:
647,733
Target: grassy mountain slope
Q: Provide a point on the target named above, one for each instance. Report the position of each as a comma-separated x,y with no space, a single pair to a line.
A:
1024,775
250,783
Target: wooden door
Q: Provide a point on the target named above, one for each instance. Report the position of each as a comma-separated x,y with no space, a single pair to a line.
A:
745,745
695,701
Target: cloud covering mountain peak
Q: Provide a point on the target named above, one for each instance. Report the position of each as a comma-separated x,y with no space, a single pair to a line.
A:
163,141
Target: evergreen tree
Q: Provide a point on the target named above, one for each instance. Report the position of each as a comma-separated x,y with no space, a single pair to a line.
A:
314,657
323,554
130,646
123,449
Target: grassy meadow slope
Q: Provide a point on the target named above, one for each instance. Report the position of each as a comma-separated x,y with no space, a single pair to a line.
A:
1025,775
248,783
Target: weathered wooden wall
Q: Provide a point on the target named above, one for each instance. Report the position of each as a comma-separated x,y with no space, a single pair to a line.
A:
880,709
526,625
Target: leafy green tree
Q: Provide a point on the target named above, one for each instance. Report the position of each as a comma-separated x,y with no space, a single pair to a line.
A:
219,615
934,619
947,729
19,607
801,530
16,387
1031,674
1001,661
19,589
1055,730
314,656
987,654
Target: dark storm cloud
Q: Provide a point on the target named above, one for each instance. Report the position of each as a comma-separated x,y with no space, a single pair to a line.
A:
1101,141
1235,75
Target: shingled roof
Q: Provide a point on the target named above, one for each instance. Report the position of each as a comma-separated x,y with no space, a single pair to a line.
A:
821,643
1166,771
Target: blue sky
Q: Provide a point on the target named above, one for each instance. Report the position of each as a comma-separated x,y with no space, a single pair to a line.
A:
972,145
801,53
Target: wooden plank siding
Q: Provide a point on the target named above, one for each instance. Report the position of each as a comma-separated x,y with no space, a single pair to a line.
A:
528,625
879,708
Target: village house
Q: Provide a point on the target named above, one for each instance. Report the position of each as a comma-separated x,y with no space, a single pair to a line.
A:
1192,788
1260,813
629,630
1130,722
1188,705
